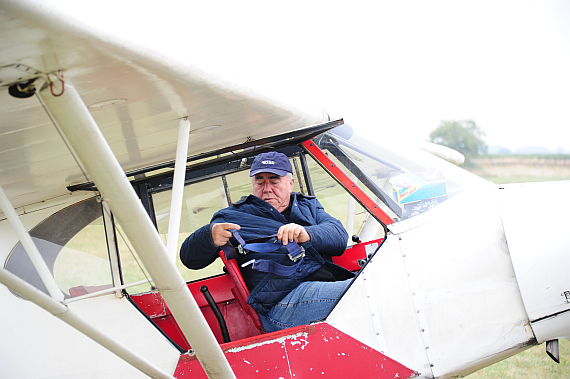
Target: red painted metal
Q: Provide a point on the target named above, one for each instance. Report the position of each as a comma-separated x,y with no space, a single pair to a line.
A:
84,290
170,327
239,322
308,351
349,259
240,290
230,293
220,287
346,182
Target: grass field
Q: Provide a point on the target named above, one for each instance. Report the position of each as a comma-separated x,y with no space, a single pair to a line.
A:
533,363
523,179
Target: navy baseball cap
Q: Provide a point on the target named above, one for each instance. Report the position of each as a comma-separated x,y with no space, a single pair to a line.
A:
273,161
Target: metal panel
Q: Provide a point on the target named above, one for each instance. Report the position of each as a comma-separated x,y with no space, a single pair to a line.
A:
465,296
535,218
303,352
76,354
378,310
440,295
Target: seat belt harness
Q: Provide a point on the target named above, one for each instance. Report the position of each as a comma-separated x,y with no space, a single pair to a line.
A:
296,254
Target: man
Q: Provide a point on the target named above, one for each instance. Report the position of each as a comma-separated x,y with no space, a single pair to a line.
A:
308,288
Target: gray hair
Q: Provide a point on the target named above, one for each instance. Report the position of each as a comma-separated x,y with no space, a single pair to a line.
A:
289,176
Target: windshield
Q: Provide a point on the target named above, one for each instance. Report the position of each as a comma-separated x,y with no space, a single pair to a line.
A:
404,180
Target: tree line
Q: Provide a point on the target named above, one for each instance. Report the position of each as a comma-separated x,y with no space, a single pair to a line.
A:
463,135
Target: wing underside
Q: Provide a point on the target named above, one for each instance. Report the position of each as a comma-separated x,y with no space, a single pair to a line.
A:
136,97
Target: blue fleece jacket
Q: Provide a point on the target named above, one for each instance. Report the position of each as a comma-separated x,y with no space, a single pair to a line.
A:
259,219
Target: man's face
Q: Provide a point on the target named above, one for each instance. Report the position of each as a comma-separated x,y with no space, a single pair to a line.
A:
274,189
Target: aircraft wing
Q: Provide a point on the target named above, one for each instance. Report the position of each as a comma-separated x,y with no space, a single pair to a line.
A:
136,96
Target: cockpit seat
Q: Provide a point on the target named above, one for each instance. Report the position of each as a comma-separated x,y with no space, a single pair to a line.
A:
84,290
241,292
230,294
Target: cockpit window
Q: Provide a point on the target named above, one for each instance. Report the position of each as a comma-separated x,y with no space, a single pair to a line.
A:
72,243
82,265
404,181
339,204
200,201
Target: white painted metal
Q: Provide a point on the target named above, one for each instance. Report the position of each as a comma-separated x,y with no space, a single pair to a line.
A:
554,327
535,218
142,129
106,291
441,292
443,152
60,351
81,131
66,315
378,310
178,189
30,248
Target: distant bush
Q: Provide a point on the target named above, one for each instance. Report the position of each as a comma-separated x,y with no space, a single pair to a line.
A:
463,135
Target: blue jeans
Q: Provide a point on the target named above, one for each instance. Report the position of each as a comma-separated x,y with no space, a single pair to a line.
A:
310,301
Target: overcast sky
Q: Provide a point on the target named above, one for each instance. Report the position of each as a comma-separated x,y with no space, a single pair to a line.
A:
389,68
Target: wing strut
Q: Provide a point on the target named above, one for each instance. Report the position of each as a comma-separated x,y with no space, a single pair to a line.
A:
79,129
30,247
178,188
69,317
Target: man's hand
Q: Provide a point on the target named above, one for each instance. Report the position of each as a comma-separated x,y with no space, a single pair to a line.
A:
293,232
221,234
